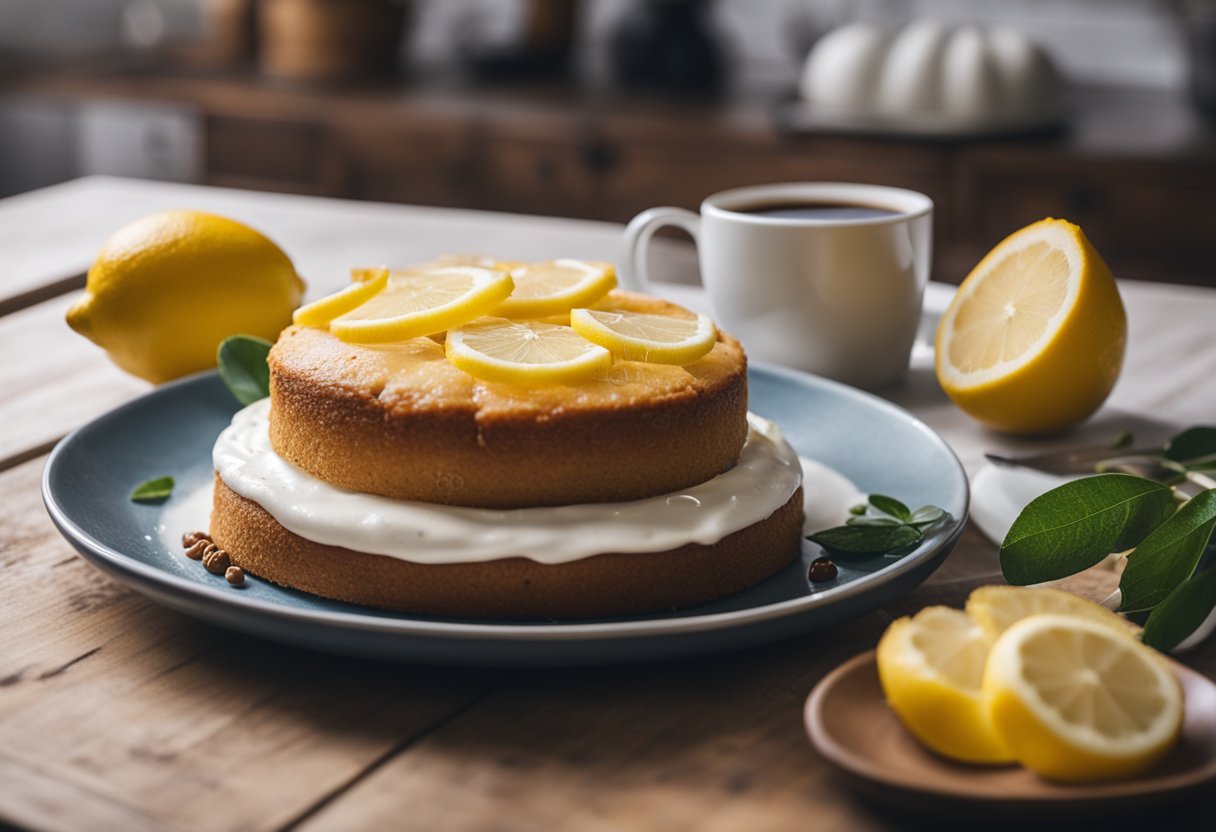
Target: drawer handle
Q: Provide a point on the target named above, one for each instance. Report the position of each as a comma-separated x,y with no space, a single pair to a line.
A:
599,156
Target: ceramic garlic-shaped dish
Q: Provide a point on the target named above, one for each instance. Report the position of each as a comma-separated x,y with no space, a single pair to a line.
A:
928,78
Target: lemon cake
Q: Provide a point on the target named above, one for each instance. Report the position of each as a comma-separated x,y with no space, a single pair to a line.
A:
383,474
400,420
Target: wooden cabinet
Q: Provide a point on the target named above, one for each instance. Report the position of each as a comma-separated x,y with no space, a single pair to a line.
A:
1136,170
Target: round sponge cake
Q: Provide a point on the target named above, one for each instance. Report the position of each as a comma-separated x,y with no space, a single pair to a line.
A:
513,587
401,421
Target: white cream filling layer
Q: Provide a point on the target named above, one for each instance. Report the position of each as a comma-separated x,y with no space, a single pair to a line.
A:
767,475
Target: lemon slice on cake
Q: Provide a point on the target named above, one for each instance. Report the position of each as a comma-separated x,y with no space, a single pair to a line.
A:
367,283
635,336
422,302
1035,337
931,667
554,287
1077,701
996,608
525,352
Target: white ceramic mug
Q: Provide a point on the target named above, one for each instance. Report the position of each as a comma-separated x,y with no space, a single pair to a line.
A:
836,297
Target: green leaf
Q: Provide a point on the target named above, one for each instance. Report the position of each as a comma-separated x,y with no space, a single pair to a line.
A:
153,491
1192,444
873,520
858,509
1169,555
1072,527
1181,613
243,367
926,516
867,540
891,506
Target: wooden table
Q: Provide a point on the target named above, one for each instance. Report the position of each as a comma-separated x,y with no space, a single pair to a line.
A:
117,714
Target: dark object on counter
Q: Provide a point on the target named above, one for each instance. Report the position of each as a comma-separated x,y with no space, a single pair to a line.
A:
544,50
323,41
668,45
1198,19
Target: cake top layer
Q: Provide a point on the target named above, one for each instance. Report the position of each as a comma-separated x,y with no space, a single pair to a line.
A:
409,376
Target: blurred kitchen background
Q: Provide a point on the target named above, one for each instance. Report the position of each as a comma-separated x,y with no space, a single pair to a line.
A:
600,108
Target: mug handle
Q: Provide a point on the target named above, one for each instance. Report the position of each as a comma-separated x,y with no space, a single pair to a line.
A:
632,271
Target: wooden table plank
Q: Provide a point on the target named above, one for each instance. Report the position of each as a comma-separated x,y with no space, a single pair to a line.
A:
54,233
707,744
53,380
116,713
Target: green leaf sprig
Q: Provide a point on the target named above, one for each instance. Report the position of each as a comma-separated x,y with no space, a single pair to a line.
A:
881,526
1194,448
1072,527
243,367
155,490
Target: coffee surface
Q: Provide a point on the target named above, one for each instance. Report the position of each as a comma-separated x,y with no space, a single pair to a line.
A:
818,211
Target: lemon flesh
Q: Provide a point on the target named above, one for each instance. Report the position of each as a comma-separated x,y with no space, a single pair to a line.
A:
931,667
165,290
1077,701
555,287
525,352
656,339
1034,339
997,608
368,282
423,302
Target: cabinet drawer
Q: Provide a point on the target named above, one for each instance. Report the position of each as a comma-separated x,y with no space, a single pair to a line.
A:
1129,218
412,165
298,158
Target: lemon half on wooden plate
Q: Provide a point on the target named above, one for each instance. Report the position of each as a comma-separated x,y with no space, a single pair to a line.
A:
854,730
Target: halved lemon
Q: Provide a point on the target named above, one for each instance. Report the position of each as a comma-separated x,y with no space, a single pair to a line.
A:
1034,339
555,287
422,302
996,608
1077,701
635,336
931,667
368,282
525,352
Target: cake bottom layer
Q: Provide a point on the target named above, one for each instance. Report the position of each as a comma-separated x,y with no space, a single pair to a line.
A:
515,587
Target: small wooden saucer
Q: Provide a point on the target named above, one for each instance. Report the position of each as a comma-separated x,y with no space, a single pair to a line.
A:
850,724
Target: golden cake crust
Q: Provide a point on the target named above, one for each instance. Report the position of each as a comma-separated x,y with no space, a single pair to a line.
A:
513,587
401,421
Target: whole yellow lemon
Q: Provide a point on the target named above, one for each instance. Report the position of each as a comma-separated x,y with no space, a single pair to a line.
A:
166,289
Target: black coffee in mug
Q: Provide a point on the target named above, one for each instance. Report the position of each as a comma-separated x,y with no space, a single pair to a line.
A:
817,211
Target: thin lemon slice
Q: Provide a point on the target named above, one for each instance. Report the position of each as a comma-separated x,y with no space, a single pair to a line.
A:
657,339
422,302
997,608
525,352
1034,340
931,667
555,287
1077,701
368,282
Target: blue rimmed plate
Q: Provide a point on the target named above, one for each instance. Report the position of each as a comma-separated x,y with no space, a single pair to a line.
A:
880,447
